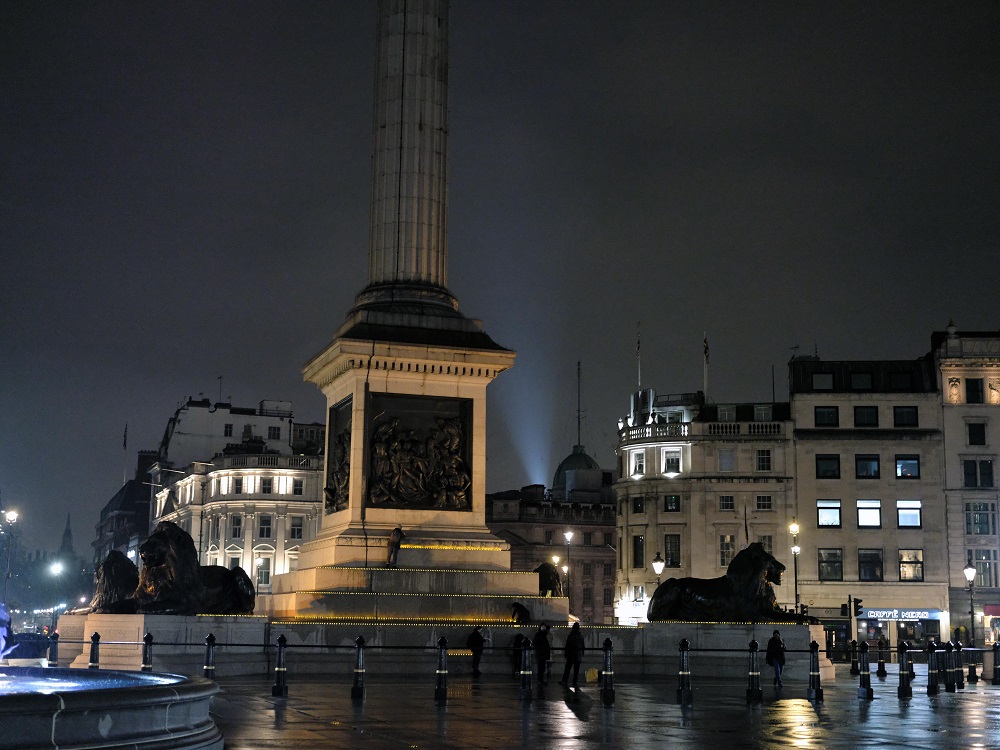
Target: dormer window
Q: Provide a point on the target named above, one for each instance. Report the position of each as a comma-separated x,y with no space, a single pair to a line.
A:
727,413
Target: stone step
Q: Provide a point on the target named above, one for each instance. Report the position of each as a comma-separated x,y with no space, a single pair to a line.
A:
406,581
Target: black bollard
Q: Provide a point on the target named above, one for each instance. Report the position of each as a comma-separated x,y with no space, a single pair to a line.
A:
996,664
280,687
949,667
973,678
754,693
880,671
147,653
685,696
854,659
913,674
865,691
358,688
904,690
209,671
54,650
526,670
933,688
608,676
815,690
441,688
959,667
95,651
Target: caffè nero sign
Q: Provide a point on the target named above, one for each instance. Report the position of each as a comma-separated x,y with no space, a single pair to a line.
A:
899,613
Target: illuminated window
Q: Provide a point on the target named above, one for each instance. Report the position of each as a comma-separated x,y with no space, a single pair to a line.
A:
671,461
985,562
869,514
908,514
911,565
263,571
638,462
907,467
980,519
828,513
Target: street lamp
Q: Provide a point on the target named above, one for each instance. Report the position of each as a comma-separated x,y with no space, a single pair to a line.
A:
970,576
569,537
658,563
793,528
11,518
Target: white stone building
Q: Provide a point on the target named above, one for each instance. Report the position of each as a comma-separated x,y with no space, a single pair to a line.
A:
696,483
228,477
968,365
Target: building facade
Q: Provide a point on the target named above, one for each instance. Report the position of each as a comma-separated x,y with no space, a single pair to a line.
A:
697,482
870,502
968,368
246,499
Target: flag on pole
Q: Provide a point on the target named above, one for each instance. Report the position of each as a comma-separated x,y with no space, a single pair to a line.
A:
705,346
125,438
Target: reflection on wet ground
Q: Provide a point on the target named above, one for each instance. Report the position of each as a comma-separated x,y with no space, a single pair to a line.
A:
489,713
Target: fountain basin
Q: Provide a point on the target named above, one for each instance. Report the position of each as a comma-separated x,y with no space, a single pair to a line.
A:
71,708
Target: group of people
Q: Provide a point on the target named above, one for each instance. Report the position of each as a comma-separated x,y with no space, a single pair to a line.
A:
573,652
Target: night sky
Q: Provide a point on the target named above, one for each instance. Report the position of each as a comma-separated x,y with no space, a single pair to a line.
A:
184,194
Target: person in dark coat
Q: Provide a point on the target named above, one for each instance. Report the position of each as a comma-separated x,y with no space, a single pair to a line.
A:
475,643
395,540
575,647
543,651
519,613
775,656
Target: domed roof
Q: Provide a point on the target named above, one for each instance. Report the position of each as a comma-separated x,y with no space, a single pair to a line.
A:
576,460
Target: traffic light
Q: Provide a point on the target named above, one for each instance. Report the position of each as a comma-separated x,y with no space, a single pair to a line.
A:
804,610
845,610
857,608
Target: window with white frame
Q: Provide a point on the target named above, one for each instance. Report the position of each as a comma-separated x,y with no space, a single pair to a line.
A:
727,549
267,485
985,563
763,459
274,433
236,526
297,486
828,513
296,527
727,413
671,461
980,519
237,485
638,462
727,502
911,565
264,526
762,413
765,502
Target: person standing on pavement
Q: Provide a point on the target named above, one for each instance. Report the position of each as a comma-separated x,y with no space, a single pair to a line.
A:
475,643
575,647
543,651
775,656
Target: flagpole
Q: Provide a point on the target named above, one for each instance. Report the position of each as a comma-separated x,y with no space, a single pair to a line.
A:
125,455
638,350
704,379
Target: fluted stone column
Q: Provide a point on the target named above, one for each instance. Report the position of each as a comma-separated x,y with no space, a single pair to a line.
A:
408,245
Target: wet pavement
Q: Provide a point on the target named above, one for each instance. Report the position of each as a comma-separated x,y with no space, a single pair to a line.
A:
488,713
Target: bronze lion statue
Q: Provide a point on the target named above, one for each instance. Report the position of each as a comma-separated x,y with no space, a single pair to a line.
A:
549,583
743,594
172,581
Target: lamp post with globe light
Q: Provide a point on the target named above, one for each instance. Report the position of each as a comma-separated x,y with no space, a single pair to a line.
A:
970,576
793,528
658,563
9,519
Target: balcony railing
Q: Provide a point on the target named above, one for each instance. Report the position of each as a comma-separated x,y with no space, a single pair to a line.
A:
744,428
271,461
658,431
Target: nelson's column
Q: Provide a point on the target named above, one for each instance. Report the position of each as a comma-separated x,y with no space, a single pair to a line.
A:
405,378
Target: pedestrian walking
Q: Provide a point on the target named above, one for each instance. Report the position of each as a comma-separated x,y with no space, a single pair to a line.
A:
775,656
475,643
574,649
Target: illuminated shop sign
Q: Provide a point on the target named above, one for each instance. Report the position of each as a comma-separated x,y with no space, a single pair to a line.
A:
871,613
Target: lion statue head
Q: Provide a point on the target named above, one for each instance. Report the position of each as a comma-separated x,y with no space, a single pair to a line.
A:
753,571
170,580
117,579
